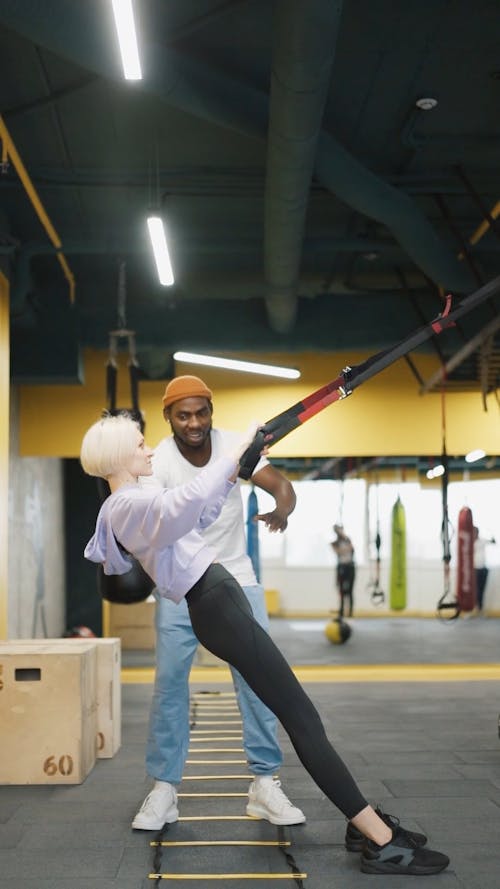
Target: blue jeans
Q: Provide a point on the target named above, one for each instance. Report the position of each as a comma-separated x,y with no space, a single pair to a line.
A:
168,739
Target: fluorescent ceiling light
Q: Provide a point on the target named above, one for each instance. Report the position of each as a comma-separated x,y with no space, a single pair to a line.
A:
472,456
160,250
249,367
435,472
127,38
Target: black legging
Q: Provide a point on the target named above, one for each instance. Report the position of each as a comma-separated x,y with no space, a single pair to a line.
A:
481,578
223,622
346,573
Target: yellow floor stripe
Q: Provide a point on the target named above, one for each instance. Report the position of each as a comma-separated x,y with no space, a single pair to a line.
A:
219,722
215,817
289,876
225,706
214,777
209,731
215,749
341,673
216,762
210,795
221,843
214,711
206,740
206,713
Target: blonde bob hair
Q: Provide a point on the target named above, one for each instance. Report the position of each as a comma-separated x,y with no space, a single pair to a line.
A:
108,444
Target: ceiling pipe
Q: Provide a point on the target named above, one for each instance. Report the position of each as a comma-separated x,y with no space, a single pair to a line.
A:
305,36
9,151
460,356
202,91
22,281
372,196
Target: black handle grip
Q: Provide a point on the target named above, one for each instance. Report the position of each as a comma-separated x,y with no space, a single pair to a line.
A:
251,457
452,607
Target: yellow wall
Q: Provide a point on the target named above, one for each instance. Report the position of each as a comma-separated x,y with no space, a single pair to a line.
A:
4,450
385,416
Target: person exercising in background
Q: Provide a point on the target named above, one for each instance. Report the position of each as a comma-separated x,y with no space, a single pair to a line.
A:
178,458
480,566
346,569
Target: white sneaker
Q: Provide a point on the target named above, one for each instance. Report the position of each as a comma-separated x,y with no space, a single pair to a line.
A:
267,800
159,808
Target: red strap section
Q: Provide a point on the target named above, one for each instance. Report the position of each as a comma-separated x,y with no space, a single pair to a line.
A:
318,406
319,394
437,325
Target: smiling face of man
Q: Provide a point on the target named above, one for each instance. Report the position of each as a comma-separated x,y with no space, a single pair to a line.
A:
191,422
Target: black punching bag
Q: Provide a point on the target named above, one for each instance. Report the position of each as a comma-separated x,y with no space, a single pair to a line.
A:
125,589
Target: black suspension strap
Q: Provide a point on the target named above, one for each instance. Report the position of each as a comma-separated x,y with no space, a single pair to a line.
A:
115,337
134,375
135,585
447,609
351,377
377,594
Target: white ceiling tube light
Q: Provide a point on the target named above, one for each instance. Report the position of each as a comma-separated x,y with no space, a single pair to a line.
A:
436,471
473,456
250,367
127,39
160,250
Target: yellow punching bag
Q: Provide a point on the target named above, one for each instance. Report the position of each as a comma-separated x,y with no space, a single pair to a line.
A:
397,588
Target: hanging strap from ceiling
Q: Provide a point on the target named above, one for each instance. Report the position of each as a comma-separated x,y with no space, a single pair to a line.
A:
351,377
115,337
446,608
377,594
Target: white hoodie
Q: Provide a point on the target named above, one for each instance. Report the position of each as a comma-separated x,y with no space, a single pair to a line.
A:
160,528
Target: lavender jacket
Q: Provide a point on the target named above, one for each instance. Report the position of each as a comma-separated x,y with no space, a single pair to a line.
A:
160,527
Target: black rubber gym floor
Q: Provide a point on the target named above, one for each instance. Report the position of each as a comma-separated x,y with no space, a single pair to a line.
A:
426,751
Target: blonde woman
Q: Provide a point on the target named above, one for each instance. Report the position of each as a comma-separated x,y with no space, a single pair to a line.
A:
160,528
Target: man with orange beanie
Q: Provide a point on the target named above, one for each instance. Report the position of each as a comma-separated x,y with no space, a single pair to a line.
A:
187,407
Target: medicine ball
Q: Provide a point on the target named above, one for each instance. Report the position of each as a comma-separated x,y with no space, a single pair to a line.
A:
337,631
125,589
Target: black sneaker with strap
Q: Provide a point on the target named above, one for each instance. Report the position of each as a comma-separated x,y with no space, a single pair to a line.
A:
354,839
401,856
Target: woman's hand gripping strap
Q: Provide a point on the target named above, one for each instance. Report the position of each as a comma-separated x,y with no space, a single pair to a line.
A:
250,458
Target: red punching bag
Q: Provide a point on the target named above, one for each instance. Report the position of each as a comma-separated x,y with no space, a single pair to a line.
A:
466,578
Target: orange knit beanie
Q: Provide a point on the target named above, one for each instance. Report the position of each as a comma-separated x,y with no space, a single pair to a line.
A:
185,387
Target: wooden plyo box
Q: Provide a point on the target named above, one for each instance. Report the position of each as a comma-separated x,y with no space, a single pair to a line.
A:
108,686
48,707
109,697
134,624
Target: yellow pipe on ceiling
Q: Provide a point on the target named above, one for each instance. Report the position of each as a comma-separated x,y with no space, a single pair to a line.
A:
482,228
10,150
